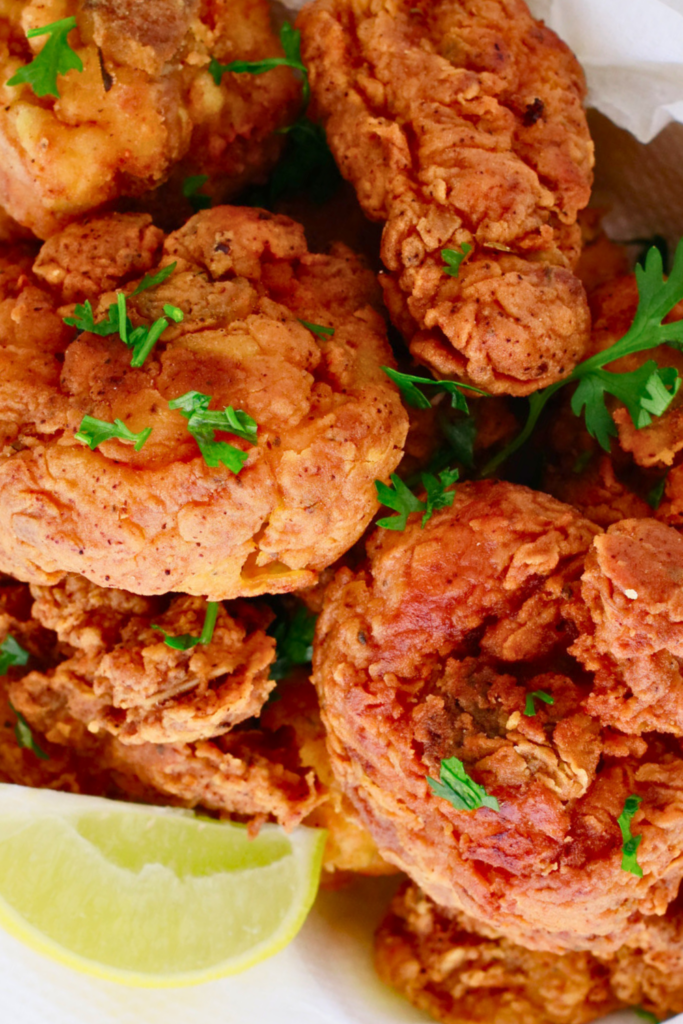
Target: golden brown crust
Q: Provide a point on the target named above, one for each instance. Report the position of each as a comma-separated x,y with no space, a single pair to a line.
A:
429,652
462,122
330,422
144,107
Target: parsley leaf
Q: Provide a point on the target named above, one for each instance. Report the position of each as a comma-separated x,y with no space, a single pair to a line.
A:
11,653
406,383
646,392
24,736
399,498
629,860
93,432
459,789
191,187
186,641
322,332
645,1015
84,320
154,280
141,339
461,435
438,495
55,58
530,707
453,258
202,424
655,496
294,640
290,38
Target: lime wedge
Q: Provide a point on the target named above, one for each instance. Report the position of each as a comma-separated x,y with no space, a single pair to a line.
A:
149,896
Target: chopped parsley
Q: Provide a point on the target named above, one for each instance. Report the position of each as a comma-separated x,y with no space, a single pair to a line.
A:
186,641
11,653
294,641
202,424
411,394
322,332
93,432
647,391
459,789
453,258
55,58
530,707
629,861
154,280
141,339
24,736
290,38
191,191
401,499
656,494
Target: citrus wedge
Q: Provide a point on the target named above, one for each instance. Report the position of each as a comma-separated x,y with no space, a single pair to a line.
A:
149,896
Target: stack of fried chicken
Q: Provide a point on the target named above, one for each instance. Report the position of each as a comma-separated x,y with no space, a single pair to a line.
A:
200,417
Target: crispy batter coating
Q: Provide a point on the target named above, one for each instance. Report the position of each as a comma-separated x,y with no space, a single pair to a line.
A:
158,520
429,652
461,972
596,491
461,122
144,107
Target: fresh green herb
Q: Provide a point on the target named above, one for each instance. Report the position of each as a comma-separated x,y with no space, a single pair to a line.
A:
186,641
93,432
401,499
290,38
461,435
191,187
645,392
406,383
322,332
629,860
646,1015
24,736
459,789
55,58
294,639
582,462
173,313
659,242
84,320
530,707
141,339
154,280
11,653
654,498
202,424
453,258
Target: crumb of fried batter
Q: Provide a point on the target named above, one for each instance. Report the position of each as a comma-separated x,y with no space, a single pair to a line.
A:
144,108
459,123
158,520
462,972
430,649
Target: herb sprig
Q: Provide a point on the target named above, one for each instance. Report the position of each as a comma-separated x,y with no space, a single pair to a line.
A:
459,789
186,641
290,39
411,394
55,58
318,329
93,432
191,190
24,735
453,259
530,707
647,391
202,424
294,641
401,499
629,861
11,653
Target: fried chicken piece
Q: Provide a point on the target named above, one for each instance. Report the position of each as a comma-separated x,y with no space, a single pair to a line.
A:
431,650
460,122
596,491
601,260
158,520
144,107
461,972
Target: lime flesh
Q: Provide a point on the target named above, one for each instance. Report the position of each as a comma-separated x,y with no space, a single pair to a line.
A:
149,896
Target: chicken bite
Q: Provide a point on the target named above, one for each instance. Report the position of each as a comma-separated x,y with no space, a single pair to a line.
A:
144,107
439,646
288,338
461,972
460,123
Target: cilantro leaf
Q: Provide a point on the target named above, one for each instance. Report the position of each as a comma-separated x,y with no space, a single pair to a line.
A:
629,860
645,1015
24,736
191,187
454,257
11,653
186,641
93,432
294,639
84,320
461,435
307,166
202,424
406,383
154,280
399,498
530,707
438,495
459,789
654,497
646,392
322,332
55,58
290,38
